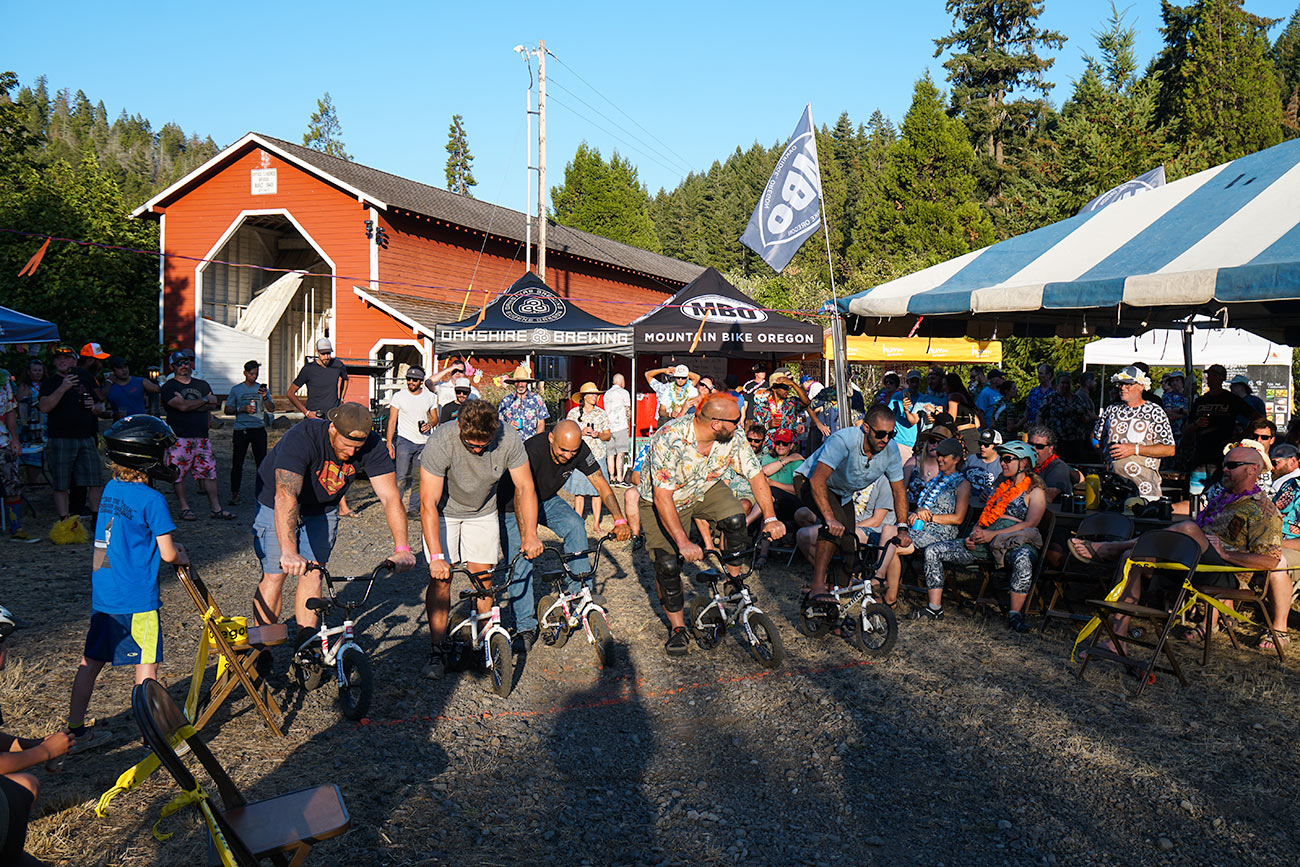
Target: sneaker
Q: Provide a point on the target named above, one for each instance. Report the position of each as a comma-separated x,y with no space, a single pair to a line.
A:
436,666
679,642
925,612
1016,622
524,640
92,738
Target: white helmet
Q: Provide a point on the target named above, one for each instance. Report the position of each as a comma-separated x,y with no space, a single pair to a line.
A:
7,623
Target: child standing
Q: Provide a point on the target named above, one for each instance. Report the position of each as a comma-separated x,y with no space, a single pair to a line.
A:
132,534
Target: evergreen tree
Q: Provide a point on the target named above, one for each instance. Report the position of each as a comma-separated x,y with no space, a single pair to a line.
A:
324,132
460,162
994,47
606,199
1217,87
1286,60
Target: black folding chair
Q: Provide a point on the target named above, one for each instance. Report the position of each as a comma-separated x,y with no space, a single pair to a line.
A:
1097,527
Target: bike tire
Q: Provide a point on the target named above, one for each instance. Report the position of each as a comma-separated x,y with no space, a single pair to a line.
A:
768,649
602,638
814,625
502,673
359,684
552,634
708,633
875,629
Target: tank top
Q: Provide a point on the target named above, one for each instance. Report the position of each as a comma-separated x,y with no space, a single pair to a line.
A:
127,399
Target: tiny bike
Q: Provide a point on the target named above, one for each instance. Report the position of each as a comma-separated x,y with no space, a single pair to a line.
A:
317,654
869,625
730,604
561,613
470,632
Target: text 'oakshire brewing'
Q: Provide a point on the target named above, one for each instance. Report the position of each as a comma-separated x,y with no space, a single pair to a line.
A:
609,337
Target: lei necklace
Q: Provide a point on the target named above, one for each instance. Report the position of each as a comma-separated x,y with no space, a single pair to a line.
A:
1216,507
936,488
1003,497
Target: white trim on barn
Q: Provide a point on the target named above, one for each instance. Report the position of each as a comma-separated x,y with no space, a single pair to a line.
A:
416,328
162,278
374,355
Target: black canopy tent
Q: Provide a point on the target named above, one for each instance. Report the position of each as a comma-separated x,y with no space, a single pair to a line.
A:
531,318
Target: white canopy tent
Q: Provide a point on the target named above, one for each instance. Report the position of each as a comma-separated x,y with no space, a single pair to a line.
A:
1163,347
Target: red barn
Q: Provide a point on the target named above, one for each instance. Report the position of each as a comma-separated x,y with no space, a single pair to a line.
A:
269,246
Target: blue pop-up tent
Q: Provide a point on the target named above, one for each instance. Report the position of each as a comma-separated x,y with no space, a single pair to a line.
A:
18,327
1223,243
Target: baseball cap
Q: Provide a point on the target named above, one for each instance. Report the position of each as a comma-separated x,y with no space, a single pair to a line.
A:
94,350
681,371
352,420
1284,450
461,384
990,437
63,349
415,372
324,345
181,355
1174,374
940,432
252,365
951,447
1240,379
914,374
783,436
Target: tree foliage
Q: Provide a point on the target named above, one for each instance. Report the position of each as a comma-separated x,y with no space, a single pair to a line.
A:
460,162
605,198
324,132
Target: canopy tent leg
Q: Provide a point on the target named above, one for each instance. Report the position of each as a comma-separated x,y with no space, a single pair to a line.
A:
1187,351
632,391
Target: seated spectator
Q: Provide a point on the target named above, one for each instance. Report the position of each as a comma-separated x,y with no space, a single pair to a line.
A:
1286,496
940,508
986,466
1006,532
924,464
1239,526
779,465
1058,478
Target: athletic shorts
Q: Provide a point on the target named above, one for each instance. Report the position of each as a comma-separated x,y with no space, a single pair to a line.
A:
18,803
316,535
842,512
193,457
469,540
620,441
73,461
124,639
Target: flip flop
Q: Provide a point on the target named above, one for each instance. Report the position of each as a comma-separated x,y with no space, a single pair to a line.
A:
1088,548
223,515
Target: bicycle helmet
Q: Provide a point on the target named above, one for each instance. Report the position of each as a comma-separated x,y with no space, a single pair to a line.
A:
140,442
181,355
1019,449
7,623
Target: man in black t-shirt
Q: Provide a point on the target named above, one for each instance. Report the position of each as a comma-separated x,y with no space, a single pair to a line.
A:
299,487
326,379
450,411
1212,418
72,423
189,402
552,458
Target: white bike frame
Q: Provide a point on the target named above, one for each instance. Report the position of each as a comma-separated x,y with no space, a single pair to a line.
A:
580,612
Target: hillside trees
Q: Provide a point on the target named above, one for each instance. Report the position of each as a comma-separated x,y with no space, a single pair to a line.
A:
605,198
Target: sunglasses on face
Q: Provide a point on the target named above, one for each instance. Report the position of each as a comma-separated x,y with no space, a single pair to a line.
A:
1232,465
1008,459
413,379
1262,437
735,420
476,448
882,434
1041,446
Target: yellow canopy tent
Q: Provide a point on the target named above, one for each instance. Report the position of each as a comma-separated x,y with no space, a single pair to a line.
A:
950,350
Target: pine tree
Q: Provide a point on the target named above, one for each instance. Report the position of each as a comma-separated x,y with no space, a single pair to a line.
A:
606,199
994,47
324,132
460,162
1286,60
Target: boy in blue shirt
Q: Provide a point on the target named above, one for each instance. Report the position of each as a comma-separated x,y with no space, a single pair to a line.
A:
132,535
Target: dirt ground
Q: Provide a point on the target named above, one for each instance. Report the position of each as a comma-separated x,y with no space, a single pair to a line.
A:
968,744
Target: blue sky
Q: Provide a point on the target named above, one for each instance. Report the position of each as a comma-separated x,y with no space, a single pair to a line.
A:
677,85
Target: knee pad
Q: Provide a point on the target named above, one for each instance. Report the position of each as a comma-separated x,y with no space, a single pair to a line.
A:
735,533
668,573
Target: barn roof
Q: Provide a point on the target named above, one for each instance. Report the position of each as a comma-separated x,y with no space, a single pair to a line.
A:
420,314
388,191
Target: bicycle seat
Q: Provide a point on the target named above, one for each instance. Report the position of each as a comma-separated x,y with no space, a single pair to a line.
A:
316,603
553,577
708,576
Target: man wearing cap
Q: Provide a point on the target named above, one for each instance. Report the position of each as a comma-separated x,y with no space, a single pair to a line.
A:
442,382
1212,418
985,464
299,488
1241,386
326,379
759,379
462,391
189,402
411,415
523,410
72,423
92,361
675,395
123,392
1134,434
249,403
777,406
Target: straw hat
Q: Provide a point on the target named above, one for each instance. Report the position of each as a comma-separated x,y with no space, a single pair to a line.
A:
589,388
523,373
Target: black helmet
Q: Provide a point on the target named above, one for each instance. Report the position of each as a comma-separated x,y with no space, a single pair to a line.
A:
140,442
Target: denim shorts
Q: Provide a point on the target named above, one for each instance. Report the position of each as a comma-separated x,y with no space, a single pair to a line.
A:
316,535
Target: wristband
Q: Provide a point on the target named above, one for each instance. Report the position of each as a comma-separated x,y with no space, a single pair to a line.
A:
770,520
433,557
401,549
618,522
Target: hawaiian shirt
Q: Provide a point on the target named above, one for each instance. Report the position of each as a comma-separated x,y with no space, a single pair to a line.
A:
776,414
523,413
1143,425
675,462
674,398
1251,524
1176,402
7,405
598,420
1286,496
1069,417
1034,402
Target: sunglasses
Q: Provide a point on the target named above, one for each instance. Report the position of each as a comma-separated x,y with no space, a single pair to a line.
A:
757,440
882,434
1041,446
476,448
1262,437
414,379
1232,465
1008,459
735,420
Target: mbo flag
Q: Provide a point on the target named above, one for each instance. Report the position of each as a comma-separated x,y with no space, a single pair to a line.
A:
789,211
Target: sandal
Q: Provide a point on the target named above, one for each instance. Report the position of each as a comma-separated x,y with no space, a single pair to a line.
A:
223,515
1266,643
188,515
1084,551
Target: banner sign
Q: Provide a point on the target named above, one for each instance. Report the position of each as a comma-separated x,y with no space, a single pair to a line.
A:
789,211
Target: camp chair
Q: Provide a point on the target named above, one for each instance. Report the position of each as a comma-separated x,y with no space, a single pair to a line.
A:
1096,527
1158,549
236,664
282,829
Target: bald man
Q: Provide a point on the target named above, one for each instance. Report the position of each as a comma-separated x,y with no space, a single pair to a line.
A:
552,458
682,479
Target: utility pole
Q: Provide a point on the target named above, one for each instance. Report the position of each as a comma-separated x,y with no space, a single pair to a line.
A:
541,159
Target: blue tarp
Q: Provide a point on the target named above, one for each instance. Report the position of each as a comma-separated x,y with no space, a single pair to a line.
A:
18,327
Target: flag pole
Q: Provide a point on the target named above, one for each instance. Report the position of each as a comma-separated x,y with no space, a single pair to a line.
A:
843,390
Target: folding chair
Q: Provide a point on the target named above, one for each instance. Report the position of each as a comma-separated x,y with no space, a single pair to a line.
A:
282,829
1158,549
1097,527
1241,595
987,568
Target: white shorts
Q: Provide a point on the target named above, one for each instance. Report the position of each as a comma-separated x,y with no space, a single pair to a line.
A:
469,540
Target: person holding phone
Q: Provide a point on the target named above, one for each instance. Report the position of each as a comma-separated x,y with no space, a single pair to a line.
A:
72,423
248,402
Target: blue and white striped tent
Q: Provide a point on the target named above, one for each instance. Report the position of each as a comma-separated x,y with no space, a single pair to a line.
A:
1224,242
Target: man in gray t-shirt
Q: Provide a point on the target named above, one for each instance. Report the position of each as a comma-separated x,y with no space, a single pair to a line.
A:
460,467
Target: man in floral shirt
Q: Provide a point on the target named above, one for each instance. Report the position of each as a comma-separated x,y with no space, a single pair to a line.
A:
1134,433
777,407
682,479
522,409
1071,418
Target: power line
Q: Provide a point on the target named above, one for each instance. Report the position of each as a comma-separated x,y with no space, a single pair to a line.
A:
631,146
681,167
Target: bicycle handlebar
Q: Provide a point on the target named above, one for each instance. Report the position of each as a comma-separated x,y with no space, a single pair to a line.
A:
566,558
736,555
328,581
476,578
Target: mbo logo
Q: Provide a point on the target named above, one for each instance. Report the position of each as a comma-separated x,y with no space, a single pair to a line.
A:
720,308
533,308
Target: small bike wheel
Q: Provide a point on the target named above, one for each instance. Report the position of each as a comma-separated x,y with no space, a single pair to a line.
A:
358,684
813,621
601,637
308,669
706,626
553,632
503,664
874,630
766,648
